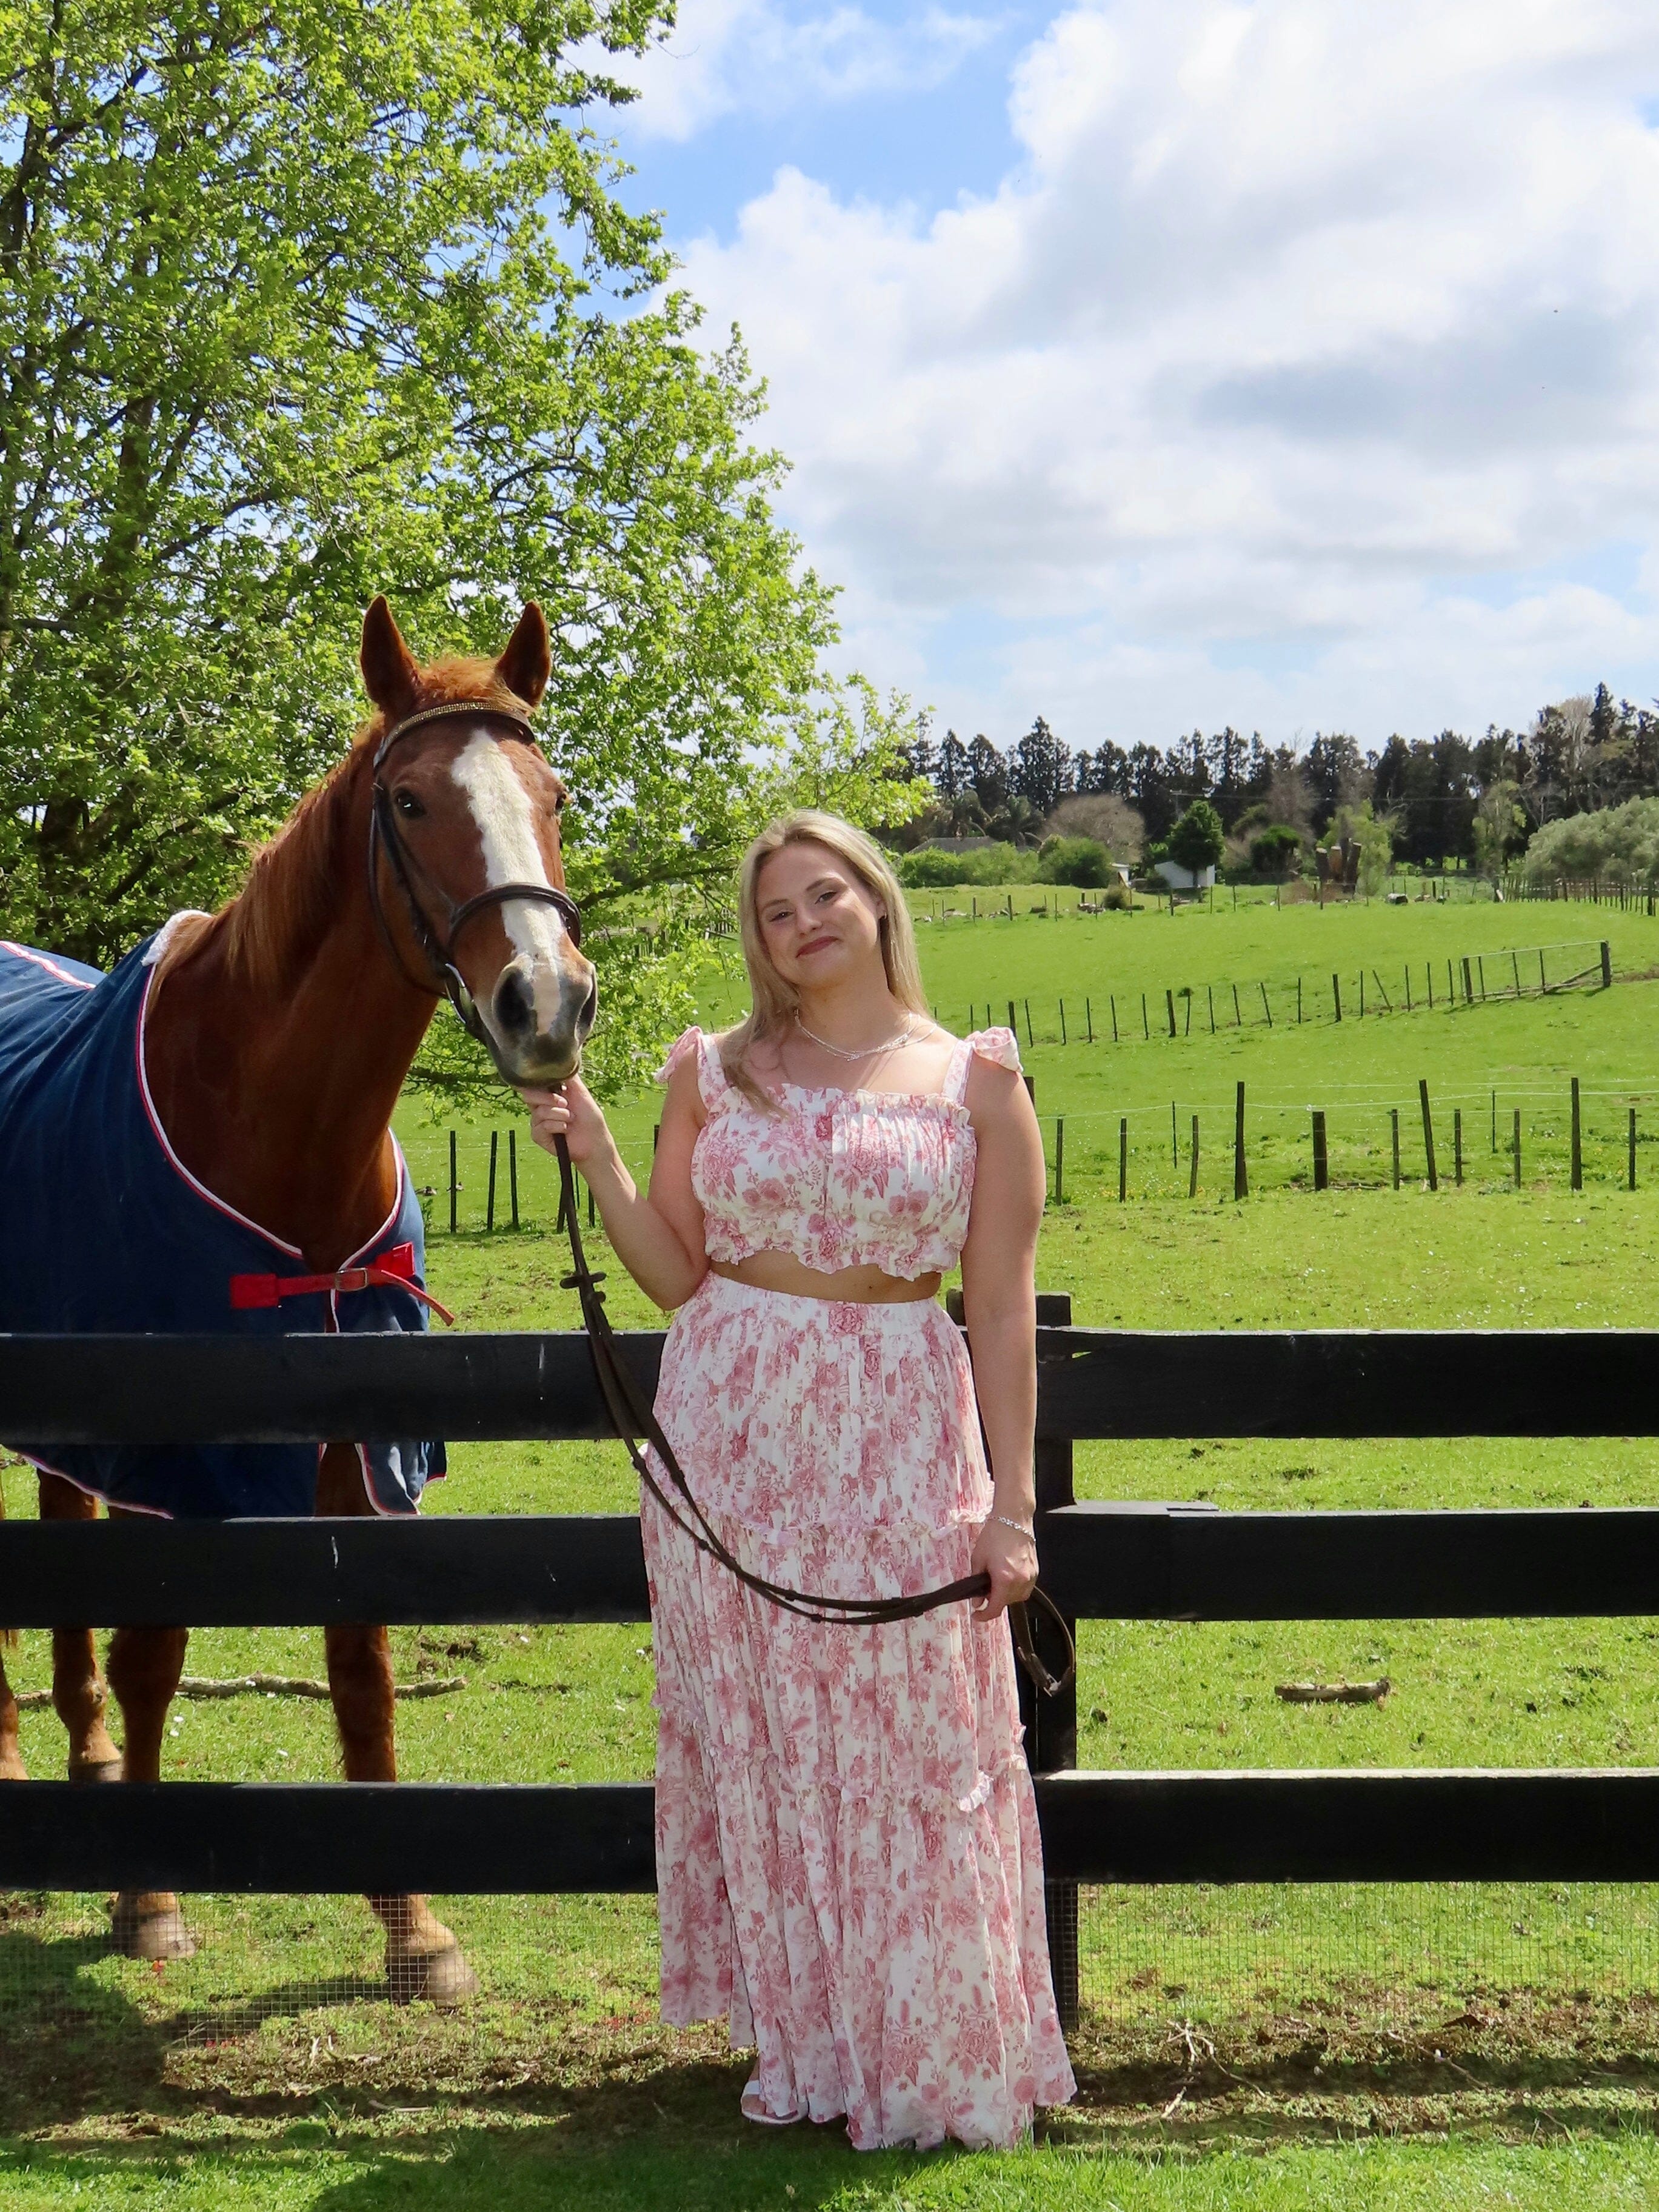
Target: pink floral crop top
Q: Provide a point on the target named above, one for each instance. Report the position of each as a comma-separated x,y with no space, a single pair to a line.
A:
838,1178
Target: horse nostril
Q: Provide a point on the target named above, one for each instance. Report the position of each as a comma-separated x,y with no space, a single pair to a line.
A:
515,1003
589,1013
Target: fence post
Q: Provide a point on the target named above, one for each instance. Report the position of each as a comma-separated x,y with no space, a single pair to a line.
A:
1175,1141
1123,1159
1088,1015
1145,1020
1238,1018
1063,1038
1394,1125
454,1184
513,1173
1457,1146
1060,1159
1336,996
1298,1000
1408,987
1113,999
1322,1158
1578,1141
1051,1723
1240,1178
1494,1122
1543,987
1014,1019
1192,1179
1607,965
1029,1039
1169,1002
1266,1006
1362,995
1517,1148
1480,965
1632,1148
1209,992
1428,970
1428,1132
489,1201
1469,984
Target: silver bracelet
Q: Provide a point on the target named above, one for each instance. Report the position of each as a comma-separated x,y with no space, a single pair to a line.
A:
1019,1527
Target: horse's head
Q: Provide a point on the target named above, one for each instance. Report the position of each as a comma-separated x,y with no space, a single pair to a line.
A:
469,807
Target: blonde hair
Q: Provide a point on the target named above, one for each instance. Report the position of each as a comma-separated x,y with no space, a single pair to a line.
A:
773,1001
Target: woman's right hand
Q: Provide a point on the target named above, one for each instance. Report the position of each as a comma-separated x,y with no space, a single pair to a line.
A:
571,1112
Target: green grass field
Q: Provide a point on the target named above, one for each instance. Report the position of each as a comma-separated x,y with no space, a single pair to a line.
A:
1248,2047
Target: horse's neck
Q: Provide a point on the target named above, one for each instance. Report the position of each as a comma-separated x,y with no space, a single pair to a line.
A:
280,1101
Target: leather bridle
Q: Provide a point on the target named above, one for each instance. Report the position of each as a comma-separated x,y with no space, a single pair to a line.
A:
438,945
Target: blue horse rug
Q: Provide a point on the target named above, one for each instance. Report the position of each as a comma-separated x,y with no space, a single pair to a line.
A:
102,1229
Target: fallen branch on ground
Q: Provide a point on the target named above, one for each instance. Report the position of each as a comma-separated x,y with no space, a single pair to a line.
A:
265,1685
1333,1694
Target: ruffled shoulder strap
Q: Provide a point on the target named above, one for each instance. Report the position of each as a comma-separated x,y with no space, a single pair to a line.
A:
999,1046
712,1082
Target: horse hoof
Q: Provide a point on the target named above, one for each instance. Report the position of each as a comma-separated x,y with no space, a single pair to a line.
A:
94,1770
150,1936
442,1978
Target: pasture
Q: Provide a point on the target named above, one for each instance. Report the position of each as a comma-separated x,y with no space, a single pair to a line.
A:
1243,2047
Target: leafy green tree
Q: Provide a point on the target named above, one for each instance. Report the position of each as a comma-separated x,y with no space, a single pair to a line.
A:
1373,834
1197,842
1499,827
303,303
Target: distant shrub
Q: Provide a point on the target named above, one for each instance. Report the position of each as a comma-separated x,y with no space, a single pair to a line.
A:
1080,862
927,870
1273,853
1618,840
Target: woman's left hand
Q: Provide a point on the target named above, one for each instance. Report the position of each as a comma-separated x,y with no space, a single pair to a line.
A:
1009,1557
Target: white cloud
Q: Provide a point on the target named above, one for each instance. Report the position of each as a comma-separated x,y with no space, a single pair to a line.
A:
753,56
1286,379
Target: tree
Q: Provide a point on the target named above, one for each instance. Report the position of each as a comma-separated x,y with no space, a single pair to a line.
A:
1041,768
1197,842
988,774
1499,827
1373,834
300,304
950,774
1110,821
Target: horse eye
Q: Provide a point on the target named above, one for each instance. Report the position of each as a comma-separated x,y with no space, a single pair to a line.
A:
407,803
562,802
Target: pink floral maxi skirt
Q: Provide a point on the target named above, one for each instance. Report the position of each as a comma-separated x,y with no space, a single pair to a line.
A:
849,1870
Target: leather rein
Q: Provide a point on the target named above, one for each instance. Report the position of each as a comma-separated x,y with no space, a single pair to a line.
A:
631,1414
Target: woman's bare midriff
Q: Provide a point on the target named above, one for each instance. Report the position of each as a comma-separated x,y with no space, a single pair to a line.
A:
856,1287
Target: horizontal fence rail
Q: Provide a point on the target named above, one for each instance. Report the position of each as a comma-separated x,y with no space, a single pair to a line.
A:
1092,1383
1102,1562
1435,1824
1125,1561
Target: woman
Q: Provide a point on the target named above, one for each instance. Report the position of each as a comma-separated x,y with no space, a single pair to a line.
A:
847,1855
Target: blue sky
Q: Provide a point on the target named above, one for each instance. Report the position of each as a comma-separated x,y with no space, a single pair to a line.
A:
1157,363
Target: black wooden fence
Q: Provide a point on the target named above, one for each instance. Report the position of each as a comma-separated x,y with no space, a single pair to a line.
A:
1103,1561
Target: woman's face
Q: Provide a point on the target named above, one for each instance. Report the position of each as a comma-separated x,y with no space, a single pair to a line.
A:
820,924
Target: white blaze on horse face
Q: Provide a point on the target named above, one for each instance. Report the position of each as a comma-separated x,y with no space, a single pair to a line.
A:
506,820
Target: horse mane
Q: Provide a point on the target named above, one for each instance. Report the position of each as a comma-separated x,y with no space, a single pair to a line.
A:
271,930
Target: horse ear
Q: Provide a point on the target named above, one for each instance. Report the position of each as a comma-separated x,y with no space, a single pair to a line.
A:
527,662
390,674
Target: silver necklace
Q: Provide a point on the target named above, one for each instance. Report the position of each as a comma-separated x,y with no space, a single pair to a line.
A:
865,1052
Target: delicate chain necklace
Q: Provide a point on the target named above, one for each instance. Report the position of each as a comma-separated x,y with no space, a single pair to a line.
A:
865,1052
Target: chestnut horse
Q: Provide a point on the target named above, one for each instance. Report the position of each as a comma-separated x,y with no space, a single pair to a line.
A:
279,1033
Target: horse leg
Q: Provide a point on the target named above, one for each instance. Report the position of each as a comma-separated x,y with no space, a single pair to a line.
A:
12,1768
422,1958
77,1688
144,1667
